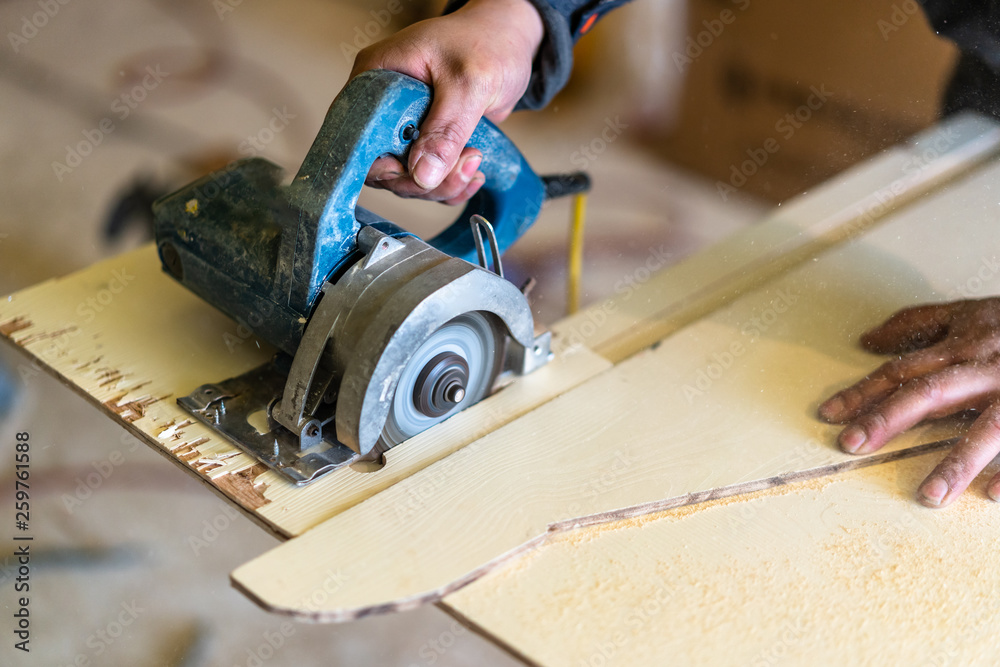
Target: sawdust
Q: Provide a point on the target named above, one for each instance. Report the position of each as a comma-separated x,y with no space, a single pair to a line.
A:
244,488
848,568
11,327
680,513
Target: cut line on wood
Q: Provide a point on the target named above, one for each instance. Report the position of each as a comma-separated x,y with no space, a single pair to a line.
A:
302,611
744,488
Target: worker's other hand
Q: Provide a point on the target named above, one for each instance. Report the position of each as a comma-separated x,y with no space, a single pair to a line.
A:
478,62
947,361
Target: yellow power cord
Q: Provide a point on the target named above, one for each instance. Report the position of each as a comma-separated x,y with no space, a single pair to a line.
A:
576,253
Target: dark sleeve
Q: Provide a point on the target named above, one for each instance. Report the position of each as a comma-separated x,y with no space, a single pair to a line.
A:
975,27
565,22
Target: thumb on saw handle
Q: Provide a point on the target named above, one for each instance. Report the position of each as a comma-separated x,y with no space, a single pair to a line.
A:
510,197
375,115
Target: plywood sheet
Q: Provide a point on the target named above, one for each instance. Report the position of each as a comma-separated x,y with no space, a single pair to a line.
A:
650,306
727,400
844,570
131,340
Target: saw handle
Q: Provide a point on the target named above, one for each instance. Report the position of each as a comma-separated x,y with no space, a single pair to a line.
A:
510,197
376,114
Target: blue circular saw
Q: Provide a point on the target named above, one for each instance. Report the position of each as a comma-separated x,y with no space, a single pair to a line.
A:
382,334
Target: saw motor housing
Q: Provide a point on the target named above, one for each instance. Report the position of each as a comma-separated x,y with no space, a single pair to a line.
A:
349,298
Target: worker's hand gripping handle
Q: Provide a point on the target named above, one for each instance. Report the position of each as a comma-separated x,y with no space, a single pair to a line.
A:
378,113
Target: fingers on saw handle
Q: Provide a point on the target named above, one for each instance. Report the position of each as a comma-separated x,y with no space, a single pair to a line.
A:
451,120
388,174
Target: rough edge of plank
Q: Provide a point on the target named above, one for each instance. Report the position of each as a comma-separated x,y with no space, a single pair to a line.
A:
144,437
304,613
244,486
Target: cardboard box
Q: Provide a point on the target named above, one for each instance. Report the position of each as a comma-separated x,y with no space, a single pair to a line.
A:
780,95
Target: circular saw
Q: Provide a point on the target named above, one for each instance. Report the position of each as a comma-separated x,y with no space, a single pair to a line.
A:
381,334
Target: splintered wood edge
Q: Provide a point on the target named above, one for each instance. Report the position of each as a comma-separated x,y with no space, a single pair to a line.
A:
437,596
241,485
142,436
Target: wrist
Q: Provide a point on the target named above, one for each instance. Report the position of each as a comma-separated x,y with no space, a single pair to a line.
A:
519,16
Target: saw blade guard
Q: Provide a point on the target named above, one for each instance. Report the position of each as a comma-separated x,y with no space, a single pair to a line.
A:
398,317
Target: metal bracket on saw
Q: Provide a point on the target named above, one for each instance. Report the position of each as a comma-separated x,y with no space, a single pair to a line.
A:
238,408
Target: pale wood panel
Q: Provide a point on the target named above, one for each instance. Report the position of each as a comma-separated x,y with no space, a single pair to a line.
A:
649,307
845,570
131,340
676,419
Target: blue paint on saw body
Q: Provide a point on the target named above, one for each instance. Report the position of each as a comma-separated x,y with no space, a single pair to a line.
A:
261,251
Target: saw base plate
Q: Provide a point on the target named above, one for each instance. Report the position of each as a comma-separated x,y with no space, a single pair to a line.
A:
238,409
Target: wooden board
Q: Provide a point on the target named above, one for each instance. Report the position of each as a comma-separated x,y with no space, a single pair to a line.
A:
650,306
725,401
845,570
131,340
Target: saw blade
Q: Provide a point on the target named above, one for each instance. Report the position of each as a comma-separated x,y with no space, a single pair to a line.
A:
453,368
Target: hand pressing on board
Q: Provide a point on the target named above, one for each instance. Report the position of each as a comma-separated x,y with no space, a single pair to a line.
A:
478,62
947,361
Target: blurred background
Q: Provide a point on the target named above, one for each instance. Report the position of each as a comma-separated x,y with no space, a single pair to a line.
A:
106,105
